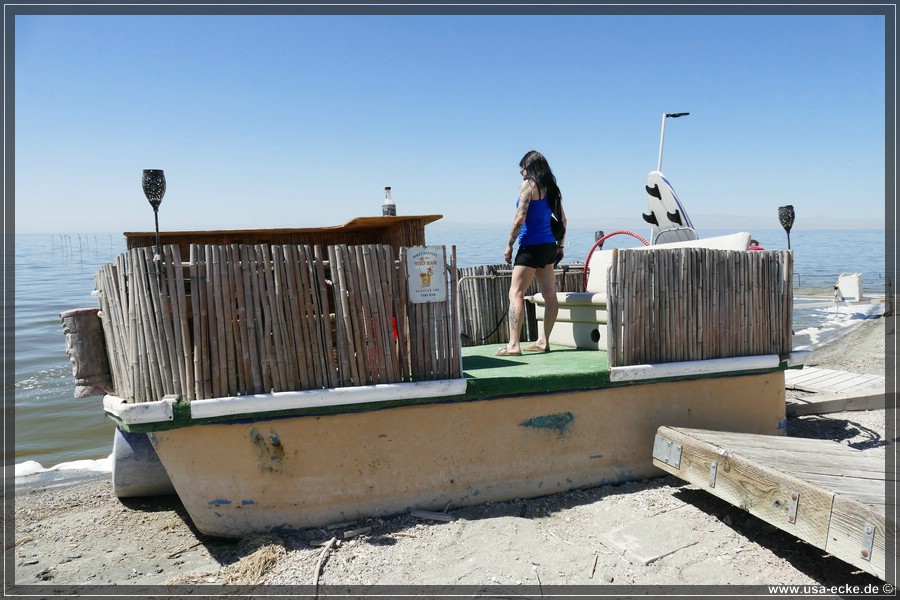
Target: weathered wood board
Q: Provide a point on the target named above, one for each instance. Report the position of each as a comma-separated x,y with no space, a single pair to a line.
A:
835,391
823,492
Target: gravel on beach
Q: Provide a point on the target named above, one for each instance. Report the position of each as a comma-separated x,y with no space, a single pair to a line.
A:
79,534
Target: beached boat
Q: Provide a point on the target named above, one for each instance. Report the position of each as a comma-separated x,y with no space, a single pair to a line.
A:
296,378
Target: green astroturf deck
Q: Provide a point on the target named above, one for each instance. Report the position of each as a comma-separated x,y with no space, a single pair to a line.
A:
561,369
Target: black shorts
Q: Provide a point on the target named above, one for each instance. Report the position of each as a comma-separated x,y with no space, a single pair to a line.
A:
536,257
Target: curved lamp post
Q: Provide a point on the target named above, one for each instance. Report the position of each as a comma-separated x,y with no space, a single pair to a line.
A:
154,184
786,216
662,134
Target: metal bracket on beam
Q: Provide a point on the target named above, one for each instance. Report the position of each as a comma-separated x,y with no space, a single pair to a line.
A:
713,466
792,508
667,451
868,541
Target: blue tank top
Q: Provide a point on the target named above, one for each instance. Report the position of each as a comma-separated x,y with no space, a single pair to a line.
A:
536,229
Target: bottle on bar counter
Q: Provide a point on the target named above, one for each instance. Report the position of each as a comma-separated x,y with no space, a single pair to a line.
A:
388,209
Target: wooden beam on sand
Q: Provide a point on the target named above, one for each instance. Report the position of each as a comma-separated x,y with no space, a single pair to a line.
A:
823,492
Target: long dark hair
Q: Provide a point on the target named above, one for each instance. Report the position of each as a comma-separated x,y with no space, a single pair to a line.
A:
538,170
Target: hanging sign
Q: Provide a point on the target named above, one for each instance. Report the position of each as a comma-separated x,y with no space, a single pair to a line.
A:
427,277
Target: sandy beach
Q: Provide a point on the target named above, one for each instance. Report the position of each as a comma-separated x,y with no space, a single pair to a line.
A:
70,535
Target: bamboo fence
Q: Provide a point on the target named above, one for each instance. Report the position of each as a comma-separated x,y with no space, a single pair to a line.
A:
254,318
484,299
684,304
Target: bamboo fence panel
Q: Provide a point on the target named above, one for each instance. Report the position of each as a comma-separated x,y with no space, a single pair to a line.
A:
685,304
434,341
483,298
245,319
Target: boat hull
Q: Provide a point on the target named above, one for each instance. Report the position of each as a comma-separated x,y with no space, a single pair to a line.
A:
250,476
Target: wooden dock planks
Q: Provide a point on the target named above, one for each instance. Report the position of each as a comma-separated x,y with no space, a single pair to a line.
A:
825,493
838,391
815,379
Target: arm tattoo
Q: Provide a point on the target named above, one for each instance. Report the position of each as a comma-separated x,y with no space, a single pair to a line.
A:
524,201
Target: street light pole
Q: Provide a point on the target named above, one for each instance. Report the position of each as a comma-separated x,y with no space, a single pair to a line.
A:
662,135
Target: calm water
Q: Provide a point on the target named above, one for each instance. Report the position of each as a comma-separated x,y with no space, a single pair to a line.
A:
54,273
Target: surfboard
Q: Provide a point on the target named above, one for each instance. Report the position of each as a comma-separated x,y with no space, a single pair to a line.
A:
668,220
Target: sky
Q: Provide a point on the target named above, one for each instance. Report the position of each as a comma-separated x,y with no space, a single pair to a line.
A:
302,120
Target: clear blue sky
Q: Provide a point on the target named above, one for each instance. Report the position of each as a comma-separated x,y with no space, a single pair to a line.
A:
292,121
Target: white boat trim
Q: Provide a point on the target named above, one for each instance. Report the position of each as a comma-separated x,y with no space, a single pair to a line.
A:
694,367
134,413
279,401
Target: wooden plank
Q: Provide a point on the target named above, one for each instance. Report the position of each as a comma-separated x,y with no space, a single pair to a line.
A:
813,379
868,490
849,520
756,488
858,382
824,462
816,406
827,380
835,494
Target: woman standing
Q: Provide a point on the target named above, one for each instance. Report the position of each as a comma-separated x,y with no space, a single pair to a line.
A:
539,198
